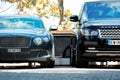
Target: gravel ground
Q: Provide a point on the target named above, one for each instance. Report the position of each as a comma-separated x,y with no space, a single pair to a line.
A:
60,73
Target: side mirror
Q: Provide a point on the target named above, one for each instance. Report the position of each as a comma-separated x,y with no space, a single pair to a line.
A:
74,18
53,27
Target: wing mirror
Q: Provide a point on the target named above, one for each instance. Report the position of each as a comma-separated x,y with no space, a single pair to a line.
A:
74,18
53,27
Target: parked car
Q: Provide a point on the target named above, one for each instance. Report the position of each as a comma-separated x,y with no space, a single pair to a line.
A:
99,36
25,39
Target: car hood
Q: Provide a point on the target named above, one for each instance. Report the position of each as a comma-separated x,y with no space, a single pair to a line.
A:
100,23
23,32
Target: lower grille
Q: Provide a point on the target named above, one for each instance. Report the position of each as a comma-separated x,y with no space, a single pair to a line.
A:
32,54
109,33
23,55
16,41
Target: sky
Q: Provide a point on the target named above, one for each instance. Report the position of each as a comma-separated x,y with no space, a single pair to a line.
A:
7,8
73,5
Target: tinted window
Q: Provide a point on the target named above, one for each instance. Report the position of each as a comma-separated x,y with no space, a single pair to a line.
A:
21,23
101,10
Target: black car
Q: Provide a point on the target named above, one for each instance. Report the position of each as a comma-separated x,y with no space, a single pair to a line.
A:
99,36
25,39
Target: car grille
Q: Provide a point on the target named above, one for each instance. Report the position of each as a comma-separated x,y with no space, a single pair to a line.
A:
16,41
32,54
109,33
23,55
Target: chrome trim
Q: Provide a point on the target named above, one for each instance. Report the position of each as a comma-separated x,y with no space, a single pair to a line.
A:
107,54
57,35
94,51
91,48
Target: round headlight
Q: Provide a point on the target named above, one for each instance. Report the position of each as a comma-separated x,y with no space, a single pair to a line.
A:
37,41
86,32
46,39
94,33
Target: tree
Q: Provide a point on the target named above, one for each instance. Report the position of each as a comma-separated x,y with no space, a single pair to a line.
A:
42,8
61,10
3,3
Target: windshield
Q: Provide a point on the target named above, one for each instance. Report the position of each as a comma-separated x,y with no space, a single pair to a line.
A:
102,10
20,23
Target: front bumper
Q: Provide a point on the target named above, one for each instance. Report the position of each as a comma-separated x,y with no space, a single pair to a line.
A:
34,55
100,50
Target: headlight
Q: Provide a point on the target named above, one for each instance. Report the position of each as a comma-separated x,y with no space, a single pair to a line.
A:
86,32
94,33
90,32
37,41
46,39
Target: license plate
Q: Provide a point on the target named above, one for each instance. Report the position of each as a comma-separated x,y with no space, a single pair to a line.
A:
113,42
14,50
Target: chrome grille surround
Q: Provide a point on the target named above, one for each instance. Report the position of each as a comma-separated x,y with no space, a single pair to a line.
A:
109,33
14,41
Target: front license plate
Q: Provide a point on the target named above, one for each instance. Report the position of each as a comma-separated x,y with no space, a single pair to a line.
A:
14,50
113,42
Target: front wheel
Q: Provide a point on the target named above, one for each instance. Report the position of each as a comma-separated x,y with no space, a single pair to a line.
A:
72,58
80,61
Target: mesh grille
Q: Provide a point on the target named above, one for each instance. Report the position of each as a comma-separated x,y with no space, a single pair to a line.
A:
32,54
23,55
110,33
16,41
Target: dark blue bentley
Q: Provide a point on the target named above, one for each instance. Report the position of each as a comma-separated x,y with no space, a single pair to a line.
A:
25,39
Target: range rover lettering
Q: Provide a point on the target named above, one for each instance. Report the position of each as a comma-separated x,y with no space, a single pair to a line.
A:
99,36
25,39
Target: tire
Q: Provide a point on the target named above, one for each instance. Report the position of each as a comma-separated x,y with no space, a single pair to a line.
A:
47,64
80,61
72,59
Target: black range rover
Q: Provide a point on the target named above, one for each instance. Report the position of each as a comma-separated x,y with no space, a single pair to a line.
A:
99,36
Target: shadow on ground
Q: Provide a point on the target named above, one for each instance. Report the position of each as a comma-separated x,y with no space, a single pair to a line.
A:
63,66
